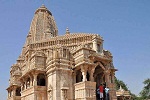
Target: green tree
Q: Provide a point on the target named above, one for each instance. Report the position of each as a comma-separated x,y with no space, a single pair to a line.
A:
124,86
145,93
120,83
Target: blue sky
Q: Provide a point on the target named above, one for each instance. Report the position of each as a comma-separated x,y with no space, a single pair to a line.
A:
123,24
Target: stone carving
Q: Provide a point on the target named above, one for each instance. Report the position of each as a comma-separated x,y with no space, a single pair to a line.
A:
50,96
74,63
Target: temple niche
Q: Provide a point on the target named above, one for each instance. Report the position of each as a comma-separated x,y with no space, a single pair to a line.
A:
65,67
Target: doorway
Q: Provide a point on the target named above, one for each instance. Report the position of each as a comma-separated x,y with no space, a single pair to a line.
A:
99,78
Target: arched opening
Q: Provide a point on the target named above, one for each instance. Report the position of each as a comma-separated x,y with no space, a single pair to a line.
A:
99,78
41,80
18,90
79,76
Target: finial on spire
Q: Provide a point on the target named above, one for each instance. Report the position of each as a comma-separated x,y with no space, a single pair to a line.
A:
42,6
67,31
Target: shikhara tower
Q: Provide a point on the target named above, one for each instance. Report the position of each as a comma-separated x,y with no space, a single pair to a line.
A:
53,67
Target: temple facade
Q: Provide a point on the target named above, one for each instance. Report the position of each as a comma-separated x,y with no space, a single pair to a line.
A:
60,67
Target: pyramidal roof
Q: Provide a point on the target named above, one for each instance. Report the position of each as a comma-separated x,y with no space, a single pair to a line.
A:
43,26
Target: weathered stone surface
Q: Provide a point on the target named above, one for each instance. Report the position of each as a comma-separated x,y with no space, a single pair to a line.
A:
67,67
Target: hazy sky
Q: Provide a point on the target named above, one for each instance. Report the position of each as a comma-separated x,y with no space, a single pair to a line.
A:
123,24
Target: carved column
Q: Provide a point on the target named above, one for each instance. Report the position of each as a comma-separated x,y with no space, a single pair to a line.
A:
34,79
22,83
107,74
25,84
14,91
91,74
10,93
84,72
28,84
30,81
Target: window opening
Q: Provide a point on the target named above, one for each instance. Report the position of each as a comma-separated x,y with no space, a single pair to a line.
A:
41,80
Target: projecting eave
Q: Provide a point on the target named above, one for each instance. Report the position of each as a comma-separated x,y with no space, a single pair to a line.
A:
113,69
98,57
11,86
86,36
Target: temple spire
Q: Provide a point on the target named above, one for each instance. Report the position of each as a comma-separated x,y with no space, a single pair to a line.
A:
67,31
43,25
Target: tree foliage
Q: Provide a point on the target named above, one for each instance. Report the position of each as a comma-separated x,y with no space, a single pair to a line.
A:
124,86
145,93
120,83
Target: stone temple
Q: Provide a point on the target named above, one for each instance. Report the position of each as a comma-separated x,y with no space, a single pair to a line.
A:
60,67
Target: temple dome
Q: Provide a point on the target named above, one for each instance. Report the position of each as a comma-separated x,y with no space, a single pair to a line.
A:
43,26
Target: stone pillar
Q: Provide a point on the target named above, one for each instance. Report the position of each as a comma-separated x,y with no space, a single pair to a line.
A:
91,74
10,93
84,72
14,91
21,86
34,79
84,76
30,81
95,44
107,74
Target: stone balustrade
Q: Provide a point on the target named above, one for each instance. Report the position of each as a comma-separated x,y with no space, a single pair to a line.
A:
85,90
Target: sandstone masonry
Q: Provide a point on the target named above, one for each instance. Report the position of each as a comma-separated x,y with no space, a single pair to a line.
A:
53,67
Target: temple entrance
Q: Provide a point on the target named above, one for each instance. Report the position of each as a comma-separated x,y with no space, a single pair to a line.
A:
99,78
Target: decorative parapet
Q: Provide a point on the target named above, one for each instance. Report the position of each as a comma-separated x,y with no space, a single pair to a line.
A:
72,39
85,90
33,89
